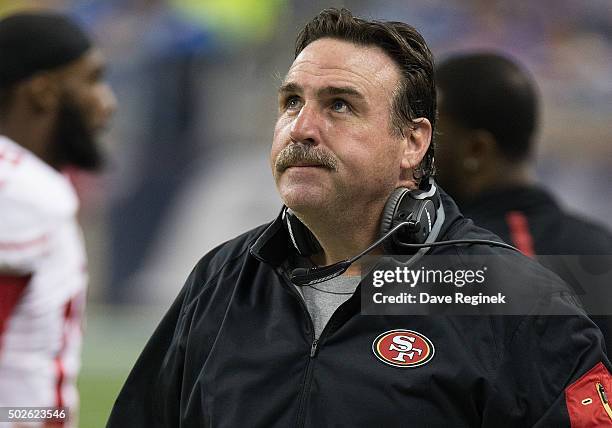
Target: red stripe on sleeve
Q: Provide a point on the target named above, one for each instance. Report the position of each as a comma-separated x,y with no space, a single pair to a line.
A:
23,245
59,364
59,369
519,232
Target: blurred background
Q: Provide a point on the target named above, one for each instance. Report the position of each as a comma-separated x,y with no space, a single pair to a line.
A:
188,150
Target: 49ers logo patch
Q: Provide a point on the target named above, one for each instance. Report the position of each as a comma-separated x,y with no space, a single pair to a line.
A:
403,348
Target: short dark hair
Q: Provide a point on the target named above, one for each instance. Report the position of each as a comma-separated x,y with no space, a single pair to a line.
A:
36,41
489,91
416,94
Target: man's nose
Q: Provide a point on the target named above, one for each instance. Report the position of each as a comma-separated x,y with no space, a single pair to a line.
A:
306,126
108,102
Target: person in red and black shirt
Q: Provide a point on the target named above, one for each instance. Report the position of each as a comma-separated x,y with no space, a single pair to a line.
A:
53,103
488,115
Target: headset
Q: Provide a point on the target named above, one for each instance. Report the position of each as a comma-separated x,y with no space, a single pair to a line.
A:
411,220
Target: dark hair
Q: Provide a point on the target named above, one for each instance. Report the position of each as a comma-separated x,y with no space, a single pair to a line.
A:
35,41
416,95
491,92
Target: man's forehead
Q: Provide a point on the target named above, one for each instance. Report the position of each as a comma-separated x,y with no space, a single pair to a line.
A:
343,63
93,59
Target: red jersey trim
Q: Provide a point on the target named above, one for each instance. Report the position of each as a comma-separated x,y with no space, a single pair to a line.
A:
519,232
59,364
11,290
23,245
587,399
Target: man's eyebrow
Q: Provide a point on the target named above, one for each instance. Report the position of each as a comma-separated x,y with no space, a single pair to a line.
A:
342,90
289,87
329,91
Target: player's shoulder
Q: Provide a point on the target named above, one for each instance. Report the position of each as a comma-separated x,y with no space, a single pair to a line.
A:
586,236
519,268
31,190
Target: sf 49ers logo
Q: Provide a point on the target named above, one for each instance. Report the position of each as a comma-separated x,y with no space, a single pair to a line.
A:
403,348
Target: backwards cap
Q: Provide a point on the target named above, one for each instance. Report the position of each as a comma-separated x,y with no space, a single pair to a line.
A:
37,41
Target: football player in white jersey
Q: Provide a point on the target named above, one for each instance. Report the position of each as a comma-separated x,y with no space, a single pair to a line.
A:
53,101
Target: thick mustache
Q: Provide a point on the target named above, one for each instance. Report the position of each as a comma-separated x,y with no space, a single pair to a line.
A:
300,154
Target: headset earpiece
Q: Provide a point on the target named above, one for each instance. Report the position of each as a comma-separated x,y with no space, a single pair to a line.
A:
388,214
418,207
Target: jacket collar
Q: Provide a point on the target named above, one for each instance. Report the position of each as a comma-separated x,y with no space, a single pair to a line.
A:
273,246
516,198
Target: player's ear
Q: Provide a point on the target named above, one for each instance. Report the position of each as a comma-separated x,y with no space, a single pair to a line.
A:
479,149
415,142
43,92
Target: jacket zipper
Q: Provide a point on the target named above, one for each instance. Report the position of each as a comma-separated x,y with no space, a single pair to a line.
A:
313,348
301,417
604,399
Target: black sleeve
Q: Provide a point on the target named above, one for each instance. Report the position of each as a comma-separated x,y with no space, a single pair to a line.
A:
150,396
593,288
542,357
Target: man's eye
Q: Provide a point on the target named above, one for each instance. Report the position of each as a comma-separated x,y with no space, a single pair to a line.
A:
292,103
340,106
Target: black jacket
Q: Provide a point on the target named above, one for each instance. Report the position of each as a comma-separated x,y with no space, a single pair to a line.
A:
236,349
530,218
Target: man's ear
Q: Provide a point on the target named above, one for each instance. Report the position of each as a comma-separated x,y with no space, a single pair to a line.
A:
417,138
480,150
43,92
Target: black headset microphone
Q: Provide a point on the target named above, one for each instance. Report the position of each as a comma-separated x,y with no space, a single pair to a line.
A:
309,276
414,211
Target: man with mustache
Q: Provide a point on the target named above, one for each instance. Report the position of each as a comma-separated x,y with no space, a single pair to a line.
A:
258,337
53,100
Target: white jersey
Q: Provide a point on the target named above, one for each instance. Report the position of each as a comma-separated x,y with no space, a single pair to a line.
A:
39,235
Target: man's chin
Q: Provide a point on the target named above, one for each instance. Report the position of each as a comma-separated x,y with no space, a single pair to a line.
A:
304,202
88,162
77,144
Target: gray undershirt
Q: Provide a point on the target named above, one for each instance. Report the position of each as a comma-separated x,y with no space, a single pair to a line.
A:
322,304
